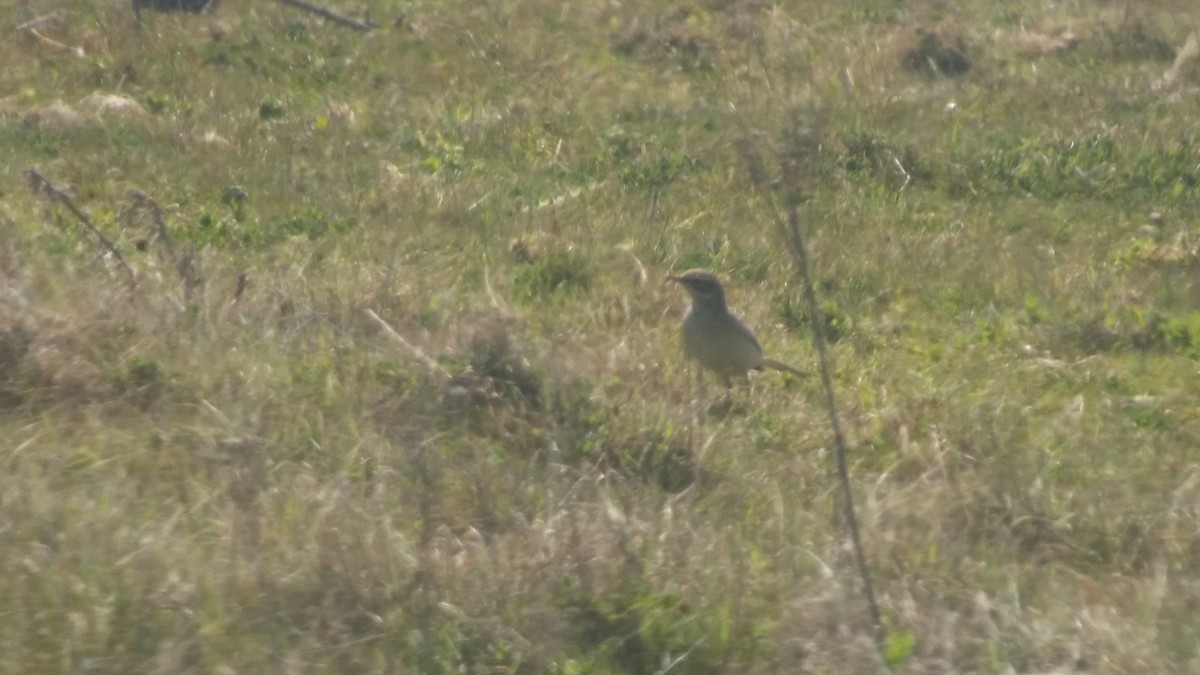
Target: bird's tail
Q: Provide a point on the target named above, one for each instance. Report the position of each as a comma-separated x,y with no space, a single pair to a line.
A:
777,365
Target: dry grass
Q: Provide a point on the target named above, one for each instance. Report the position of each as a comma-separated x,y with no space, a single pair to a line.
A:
233,467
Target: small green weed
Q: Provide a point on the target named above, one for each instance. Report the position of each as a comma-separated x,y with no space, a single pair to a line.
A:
646,162
558,270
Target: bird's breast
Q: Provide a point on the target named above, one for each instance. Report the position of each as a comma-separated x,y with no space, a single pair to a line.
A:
720,342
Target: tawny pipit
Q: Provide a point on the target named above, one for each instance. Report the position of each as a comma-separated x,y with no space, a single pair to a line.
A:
714,337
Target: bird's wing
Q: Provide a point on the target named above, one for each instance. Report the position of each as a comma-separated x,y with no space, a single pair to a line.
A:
746,332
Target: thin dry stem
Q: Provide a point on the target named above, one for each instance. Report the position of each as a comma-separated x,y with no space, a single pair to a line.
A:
430,365
330,14
785,199
40,185
184,264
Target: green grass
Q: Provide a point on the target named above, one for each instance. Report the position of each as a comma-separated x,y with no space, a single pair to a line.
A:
1004,246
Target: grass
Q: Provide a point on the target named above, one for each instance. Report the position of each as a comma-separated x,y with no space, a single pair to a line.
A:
256,477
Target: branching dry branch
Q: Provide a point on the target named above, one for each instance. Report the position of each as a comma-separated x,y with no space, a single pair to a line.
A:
785,199
39,185
184,264
140,201
801,147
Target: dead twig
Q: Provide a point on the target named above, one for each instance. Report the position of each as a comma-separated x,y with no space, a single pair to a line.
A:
243,281
330,14
1189,52
235,305
77,51
39,185
189,276
47,20
430,365
42,20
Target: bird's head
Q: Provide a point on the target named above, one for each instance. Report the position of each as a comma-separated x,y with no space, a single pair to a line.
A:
702,285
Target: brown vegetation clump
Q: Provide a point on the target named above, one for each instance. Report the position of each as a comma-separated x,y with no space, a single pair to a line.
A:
678,34
494,355
46,359
1128,33
940,51
498,377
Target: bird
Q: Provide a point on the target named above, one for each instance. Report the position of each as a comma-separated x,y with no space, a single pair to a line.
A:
717,339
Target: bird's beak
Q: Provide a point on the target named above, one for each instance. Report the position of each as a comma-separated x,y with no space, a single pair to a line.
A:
672,277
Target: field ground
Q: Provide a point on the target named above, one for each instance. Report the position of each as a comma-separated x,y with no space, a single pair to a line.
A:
227,465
